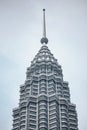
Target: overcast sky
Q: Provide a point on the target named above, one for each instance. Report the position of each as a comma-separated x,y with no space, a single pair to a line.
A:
20,34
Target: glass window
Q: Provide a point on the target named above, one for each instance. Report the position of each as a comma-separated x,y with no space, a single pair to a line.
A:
49,69
33,126
52,92
43,111
52,111
52,124
33,112
32,108
32,121
32,116
42,106
43,68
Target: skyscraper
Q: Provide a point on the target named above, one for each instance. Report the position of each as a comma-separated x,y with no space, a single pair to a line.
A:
45,97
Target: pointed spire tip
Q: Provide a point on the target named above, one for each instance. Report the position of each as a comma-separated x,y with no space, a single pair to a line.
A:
44,39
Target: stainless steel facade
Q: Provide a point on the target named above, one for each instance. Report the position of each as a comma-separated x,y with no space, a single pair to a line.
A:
45,97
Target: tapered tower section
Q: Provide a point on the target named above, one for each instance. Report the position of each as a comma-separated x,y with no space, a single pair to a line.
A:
45,97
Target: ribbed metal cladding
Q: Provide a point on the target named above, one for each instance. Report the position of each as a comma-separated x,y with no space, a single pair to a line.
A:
42,112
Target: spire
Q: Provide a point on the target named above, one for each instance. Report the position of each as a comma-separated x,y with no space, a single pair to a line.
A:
44,24
44,39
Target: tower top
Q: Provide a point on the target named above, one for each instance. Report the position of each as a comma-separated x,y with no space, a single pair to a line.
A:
44,39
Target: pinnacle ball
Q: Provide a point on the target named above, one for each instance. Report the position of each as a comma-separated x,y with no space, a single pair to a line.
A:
44,40
43,9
